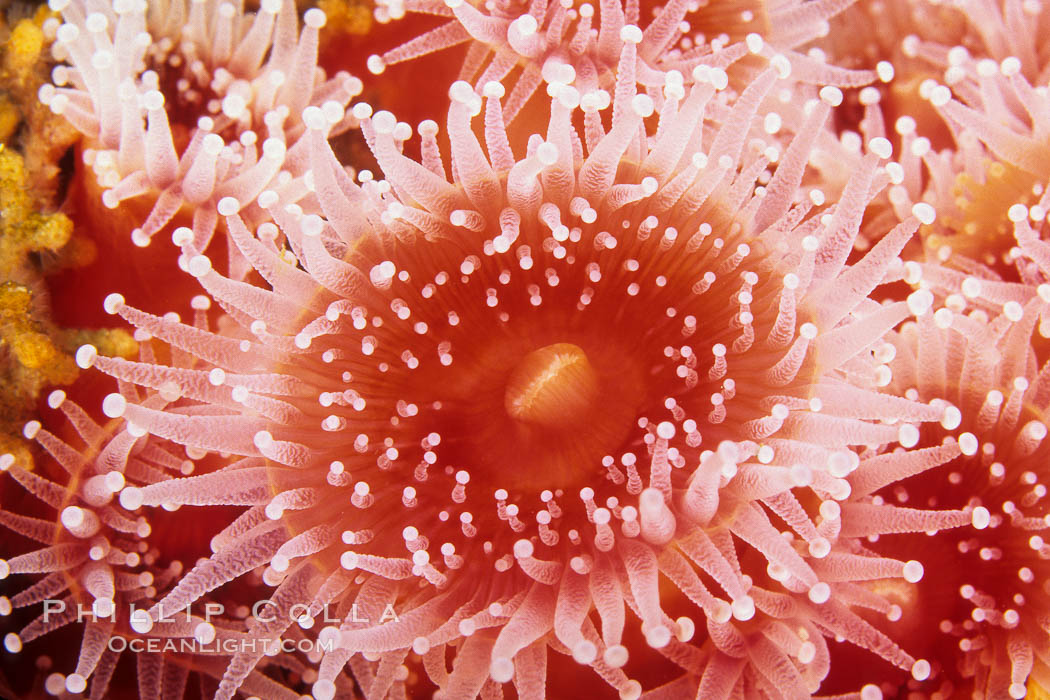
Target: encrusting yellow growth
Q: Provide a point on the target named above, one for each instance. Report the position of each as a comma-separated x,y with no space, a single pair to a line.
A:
34,353
33,358
10,118
23,49
23,229
345,17
24,66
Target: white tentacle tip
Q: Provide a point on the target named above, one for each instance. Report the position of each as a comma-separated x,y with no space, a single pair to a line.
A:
881,147
131,498
113,303
114,406
819,548
523,549
908,435
643,105
228,206
980,518
274,149
631,690
525,25
140,238
12,643
924,213
384,122
502,669
315,18
585,652
912,571
375,64
631,34
85,356
831,95
462,92
153,100
686,629
361,111
56,398
313,118
547,153
615,656
141,621
181,236
657,637
312,225
920,301
743,608
920,670
199,266
820,593
323,690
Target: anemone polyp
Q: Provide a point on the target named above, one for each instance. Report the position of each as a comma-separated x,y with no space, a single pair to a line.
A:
624,356
976,86
96,558
981,594
102,566
569,43
188,102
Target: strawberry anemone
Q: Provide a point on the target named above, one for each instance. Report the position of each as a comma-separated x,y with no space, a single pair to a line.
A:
98,567
988,93
485,417
184,103
983,601
532,44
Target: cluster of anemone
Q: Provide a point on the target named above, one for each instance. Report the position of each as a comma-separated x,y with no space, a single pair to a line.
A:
539,43
662,372
184,103
100,569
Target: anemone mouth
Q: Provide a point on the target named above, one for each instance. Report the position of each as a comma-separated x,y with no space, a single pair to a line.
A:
188,98
552,386
565,406
981,228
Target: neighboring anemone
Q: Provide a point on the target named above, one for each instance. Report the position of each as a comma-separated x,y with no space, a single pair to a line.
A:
558,43
188,102
980,613
995,105
96,557
839,152
983,289
483,402
887,46
102,570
